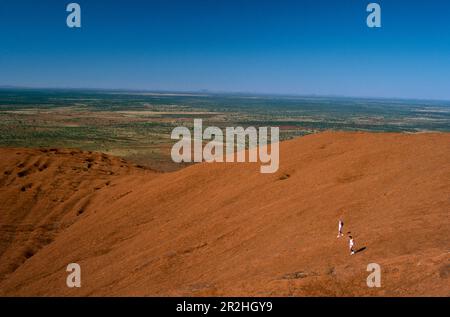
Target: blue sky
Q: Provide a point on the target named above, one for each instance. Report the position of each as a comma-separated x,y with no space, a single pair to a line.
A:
295,47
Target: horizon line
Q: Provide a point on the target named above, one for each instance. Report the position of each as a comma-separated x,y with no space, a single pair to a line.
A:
207,92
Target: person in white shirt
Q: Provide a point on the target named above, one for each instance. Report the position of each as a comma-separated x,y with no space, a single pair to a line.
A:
341,225
351,244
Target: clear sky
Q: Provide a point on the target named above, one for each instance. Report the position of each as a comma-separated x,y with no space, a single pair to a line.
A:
297,47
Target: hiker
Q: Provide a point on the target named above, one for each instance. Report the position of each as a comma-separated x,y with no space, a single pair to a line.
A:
341,225
351,244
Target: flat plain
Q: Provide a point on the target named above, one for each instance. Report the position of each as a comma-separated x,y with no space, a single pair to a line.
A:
137,125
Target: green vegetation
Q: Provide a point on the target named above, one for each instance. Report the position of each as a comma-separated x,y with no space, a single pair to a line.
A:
137,125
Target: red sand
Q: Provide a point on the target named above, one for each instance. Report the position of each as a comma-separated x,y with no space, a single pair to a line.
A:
225,229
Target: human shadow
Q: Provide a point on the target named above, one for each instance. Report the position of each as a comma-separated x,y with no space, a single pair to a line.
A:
360,250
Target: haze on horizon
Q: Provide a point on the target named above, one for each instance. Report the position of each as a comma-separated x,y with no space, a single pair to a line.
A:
295,47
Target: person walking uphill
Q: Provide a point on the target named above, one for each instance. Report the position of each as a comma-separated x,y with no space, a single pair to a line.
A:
351,244
340,226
